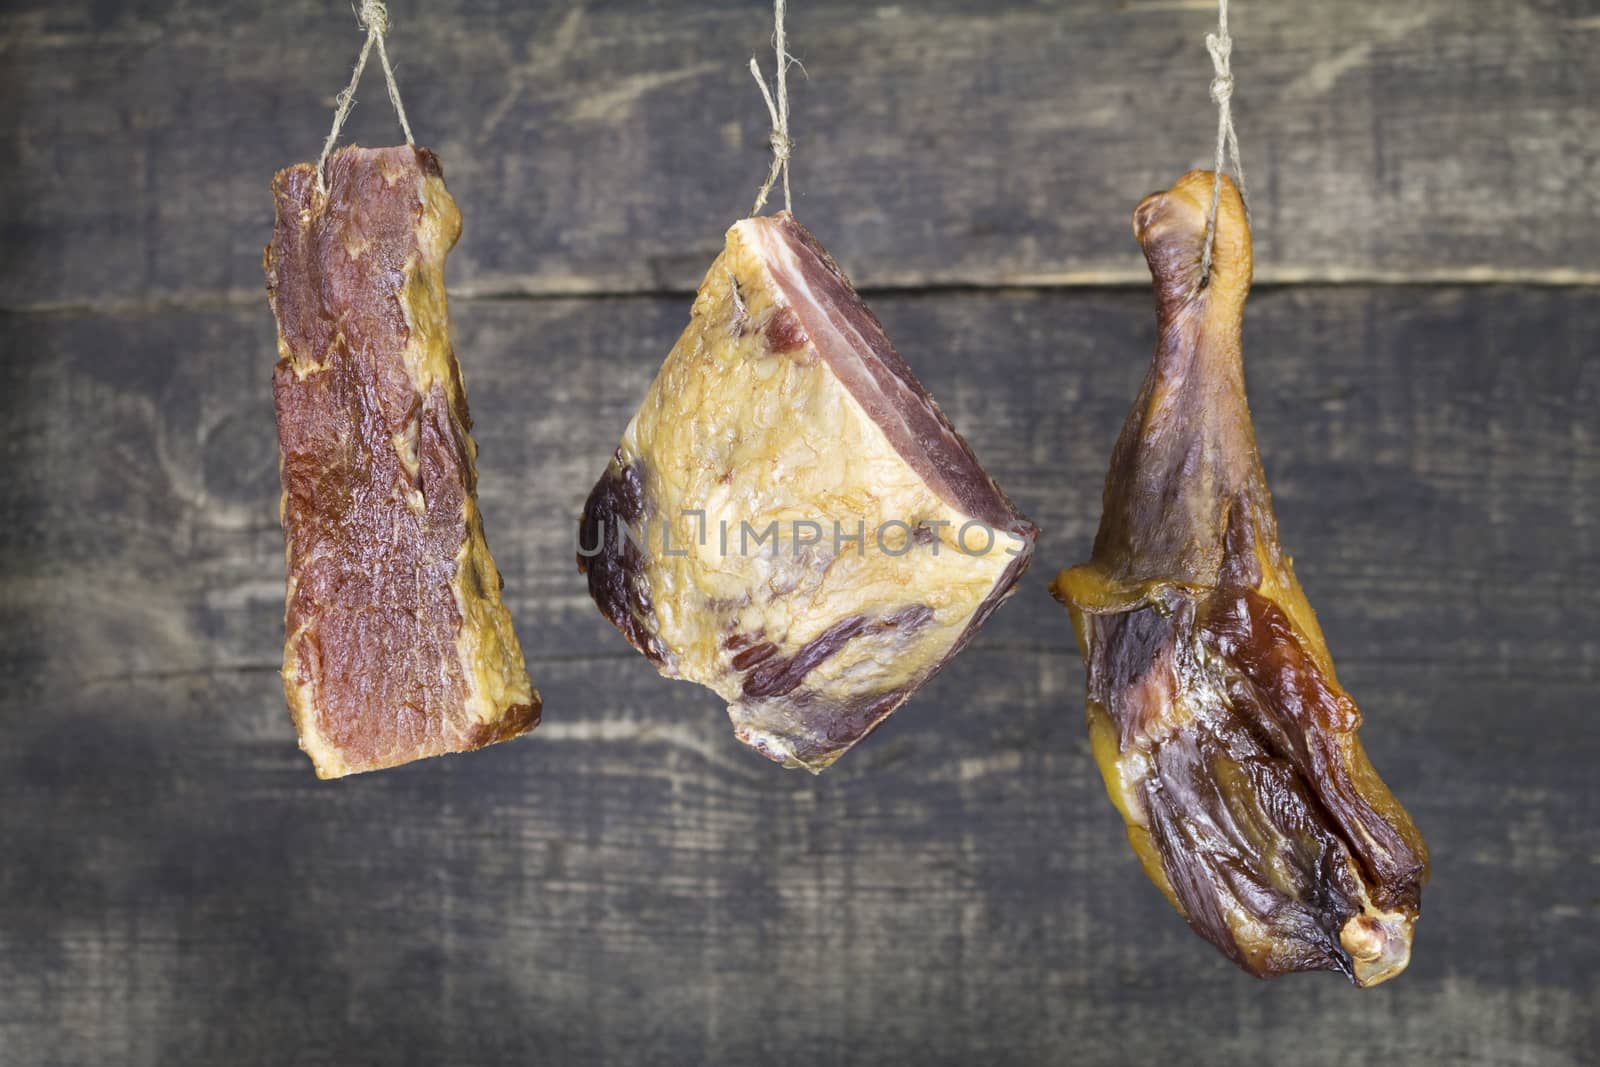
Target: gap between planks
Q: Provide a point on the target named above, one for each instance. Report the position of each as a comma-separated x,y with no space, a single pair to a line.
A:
1574,675
509,290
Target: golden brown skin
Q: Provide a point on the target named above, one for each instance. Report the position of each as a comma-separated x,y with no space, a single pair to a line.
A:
398,643
1224,738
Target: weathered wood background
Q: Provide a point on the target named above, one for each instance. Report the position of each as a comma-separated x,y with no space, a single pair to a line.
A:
629,885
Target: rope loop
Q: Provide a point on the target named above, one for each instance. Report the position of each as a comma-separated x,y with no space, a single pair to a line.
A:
778,109
1220,45
373,17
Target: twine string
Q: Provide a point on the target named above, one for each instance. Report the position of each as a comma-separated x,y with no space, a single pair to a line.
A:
1220,45
374,18
778,110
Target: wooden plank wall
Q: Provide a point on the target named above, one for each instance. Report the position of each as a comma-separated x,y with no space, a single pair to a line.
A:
629,885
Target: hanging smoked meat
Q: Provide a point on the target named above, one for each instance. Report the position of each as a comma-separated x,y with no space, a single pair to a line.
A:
399,646
1225,741
790,520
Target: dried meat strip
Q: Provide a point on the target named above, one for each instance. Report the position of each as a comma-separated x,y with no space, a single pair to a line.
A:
399,645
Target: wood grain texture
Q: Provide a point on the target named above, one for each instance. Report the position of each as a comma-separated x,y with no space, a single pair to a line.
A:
628,884
604,147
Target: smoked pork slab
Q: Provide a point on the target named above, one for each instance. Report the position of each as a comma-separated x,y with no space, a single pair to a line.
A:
399,646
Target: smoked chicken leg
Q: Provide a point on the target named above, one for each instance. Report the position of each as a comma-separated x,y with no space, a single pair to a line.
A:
1223,736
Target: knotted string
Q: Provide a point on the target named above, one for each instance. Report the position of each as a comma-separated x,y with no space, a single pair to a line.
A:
374,18
782,146
1220,45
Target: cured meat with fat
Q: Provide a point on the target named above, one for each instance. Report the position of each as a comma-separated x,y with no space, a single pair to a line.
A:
398,643
790,519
